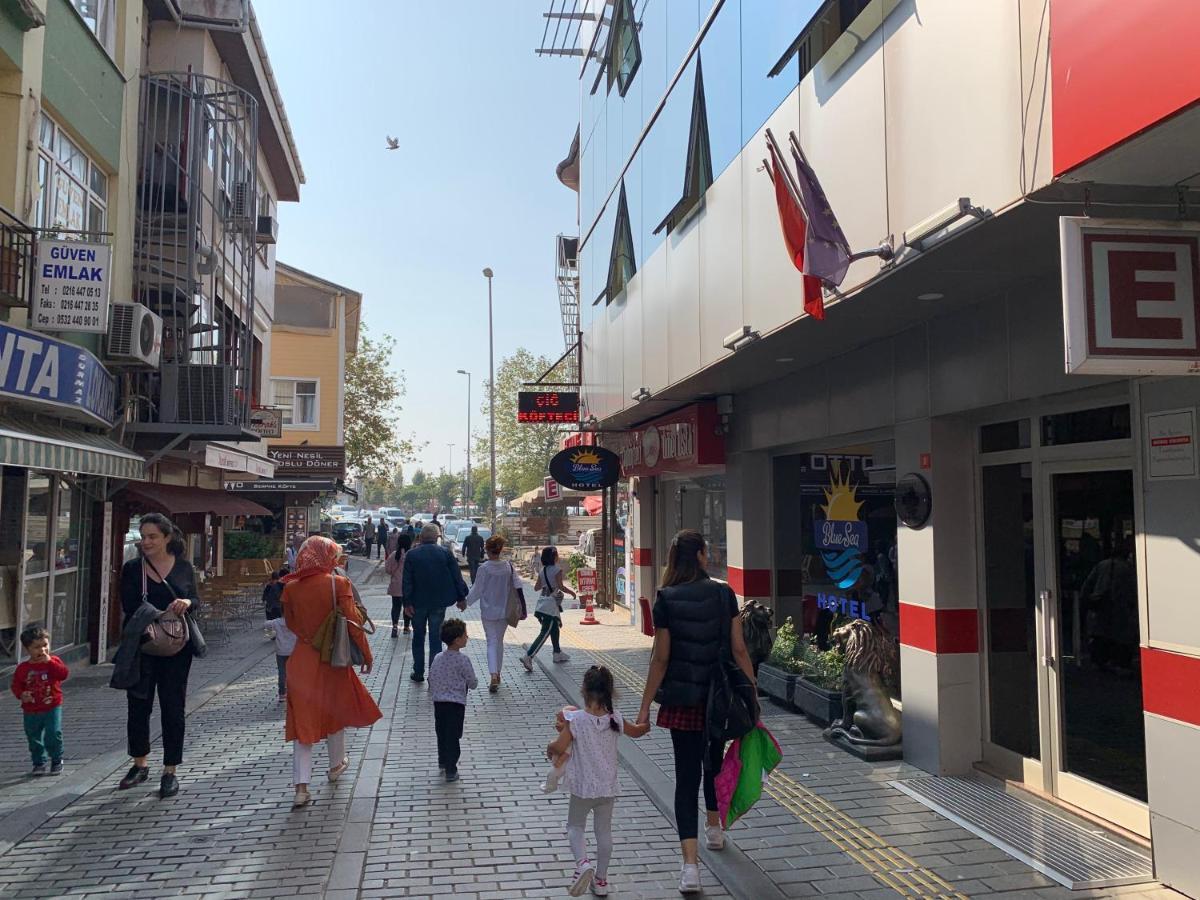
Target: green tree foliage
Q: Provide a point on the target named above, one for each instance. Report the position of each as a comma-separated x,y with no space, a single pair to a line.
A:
373,394
523,451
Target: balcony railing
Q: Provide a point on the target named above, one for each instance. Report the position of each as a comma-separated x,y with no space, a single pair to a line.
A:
194,246
16,260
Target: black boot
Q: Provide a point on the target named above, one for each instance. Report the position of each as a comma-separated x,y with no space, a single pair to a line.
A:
168,786
135,776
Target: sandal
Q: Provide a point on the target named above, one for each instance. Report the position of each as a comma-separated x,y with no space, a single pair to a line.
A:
336,772
302,798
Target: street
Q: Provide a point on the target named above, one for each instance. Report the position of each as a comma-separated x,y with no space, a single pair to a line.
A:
829,825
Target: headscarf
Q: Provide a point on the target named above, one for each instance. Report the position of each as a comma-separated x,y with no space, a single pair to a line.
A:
317,556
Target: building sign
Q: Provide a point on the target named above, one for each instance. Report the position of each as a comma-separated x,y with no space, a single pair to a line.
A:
1131,296
276,485
231,460
1171,444
553,491
71,284
547,406
587,581
309,461
683,441
585,468
266,421
295,523
65,379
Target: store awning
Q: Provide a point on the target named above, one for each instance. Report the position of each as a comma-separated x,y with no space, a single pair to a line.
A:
177,498
58,448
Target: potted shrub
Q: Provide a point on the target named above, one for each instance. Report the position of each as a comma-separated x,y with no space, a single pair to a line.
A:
802,676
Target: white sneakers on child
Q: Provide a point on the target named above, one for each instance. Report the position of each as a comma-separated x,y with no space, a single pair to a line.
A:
553,777
561,658
584,873
689,879
714,837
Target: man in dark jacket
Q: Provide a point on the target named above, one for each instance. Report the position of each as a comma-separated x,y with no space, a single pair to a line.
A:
432,581
472,547
381,537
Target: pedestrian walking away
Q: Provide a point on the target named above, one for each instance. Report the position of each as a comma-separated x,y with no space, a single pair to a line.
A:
473,549
451,675
395,569
37,683
691,613
285,644
550,589
431,582
322,699
381,539
272,592
393,536
586,748
490,588
368,533
158,582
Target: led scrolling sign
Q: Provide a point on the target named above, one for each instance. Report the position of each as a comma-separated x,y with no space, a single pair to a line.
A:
541,407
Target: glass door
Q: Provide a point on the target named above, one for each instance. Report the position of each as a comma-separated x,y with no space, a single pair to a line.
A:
1090,617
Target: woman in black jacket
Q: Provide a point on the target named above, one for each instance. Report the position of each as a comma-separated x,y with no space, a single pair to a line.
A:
162,577
692,616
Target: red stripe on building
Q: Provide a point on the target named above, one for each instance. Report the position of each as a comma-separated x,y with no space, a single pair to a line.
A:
750,582
642,556
1169,683
939,630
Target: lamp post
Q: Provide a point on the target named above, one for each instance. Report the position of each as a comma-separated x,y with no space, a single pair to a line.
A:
451,461
467,486
487,273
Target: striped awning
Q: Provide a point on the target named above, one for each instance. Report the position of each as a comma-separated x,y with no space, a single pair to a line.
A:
61,448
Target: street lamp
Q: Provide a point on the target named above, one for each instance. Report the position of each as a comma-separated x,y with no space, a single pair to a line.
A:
487,273
451,469
467,488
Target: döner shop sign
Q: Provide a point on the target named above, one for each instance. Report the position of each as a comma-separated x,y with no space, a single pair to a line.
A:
308,461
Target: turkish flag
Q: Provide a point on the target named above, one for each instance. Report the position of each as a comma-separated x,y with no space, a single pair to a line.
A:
795,229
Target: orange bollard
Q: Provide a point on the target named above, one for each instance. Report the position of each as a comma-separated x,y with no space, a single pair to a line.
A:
589,613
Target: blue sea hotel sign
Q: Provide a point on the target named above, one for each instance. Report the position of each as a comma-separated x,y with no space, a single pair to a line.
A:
59,376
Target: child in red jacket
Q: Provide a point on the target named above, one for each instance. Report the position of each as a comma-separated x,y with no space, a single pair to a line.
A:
37,683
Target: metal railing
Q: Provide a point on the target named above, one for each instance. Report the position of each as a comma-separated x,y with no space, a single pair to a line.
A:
16,260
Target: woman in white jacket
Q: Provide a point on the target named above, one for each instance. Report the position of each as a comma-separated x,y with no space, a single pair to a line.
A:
490,588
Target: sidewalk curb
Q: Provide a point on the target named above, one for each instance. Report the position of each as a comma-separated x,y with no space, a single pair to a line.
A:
739,874
18,825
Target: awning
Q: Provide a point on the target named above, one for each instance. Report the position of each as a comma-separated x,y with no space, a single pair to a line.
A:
537,497
177,498
58,448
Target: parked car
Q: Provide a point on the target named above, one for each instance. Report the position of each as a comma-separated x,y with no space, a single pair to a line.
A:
455,531
394,515
350,536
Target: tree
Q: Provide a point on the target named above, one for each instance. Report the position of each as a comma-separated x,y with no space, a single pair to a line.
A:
523,451
373,394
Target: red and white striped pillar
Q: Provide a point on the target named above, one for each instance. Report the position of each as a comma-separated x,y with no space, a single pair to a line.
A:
640,574
747,525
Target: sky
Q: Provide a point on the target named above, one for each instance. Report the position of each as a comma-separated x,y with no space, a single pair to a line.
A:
482,122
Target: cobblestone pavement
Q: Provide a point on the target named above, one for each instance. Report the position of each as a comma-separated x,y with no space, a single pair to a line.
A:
830,826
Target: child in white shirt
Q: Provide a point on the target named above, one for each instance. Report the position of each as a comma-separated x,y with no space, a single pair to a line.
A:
285,643
588,741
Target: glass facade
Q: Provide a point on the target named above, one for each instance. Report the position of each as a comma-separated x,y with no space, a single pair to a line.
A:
698,503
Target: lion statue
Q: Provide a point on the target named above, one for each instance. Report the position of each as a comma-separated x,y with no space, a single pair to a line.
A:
870,724
759,630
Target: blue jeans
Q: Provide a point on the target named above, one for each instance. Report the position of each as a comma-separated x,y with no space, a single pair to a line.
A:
424,617
44,732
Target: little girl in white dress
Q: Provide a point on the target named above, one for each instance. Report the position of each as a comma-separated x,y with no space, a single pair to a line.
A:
586,751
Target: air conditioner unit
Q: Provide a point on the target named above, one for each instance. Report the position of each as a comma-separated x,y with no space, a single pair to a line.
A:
134,336
243,206
267,231
199,395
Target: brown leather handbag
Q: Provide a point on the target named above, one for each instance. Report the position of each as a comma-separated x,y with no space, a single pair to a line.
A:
168,634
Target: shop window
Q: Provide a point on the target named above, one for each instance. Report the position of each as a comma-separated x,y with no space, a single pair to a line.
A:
621,263
698,173
1085,426
72,190
699,503
1001,436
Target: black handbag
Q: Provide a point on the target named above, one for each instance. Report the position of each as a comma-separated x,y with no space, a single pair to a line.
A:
732,708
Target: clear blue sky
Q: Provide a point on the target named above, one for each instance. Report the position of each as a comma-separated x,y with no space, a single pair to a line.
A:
482,122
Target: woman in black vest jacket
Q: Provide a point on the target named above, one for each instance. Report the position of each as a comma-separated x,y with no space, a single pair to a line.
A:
691,617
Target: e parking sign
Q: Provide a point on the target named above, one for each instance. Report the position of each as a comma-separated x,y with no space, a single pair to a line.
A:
71,285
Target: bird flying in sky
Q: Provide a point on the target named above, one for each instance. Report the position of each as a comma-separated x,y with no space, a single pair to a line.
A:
393,143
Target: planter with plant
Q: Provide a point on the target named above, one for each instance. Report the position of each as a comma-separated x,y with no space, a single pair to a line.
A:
802,676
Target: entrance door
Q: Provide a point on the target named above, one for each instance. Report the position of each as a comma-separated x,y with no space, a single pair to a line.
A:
1093,726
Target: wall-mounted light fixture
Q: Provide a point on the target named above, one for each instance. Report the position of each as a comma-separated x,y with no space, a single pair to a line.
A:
918,235
641,395
724,412
740,338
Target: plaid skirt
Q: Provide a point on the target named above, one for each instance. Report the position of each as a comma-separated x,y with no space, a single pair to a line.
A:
681,718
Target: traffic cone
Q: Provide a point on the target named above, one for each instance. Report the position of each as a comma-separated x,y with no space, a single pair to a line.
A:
589,613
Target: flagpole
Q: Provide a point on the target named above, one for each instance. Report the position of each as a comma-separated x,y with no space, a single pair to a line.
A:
793,188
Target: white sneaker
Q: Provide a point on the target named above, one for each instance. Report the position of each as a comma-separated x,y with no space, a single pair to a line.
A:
527,662
584,873
689,879
561,658
553,777
715,837
600,887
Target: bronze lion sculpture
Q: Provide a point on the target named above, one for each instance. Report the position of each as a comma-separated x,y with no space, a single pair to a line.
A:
758,630
869,720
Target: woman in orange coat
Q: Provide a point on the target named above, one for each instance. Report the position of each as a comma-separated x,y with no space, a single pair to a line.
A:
321,699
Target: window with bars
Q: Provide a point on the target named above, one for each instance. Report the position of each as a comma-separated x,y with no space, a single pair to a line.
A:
297,401
72,189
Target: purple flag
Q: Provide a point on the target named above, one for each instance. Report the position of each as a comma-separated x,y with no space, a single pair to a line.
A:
826,251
